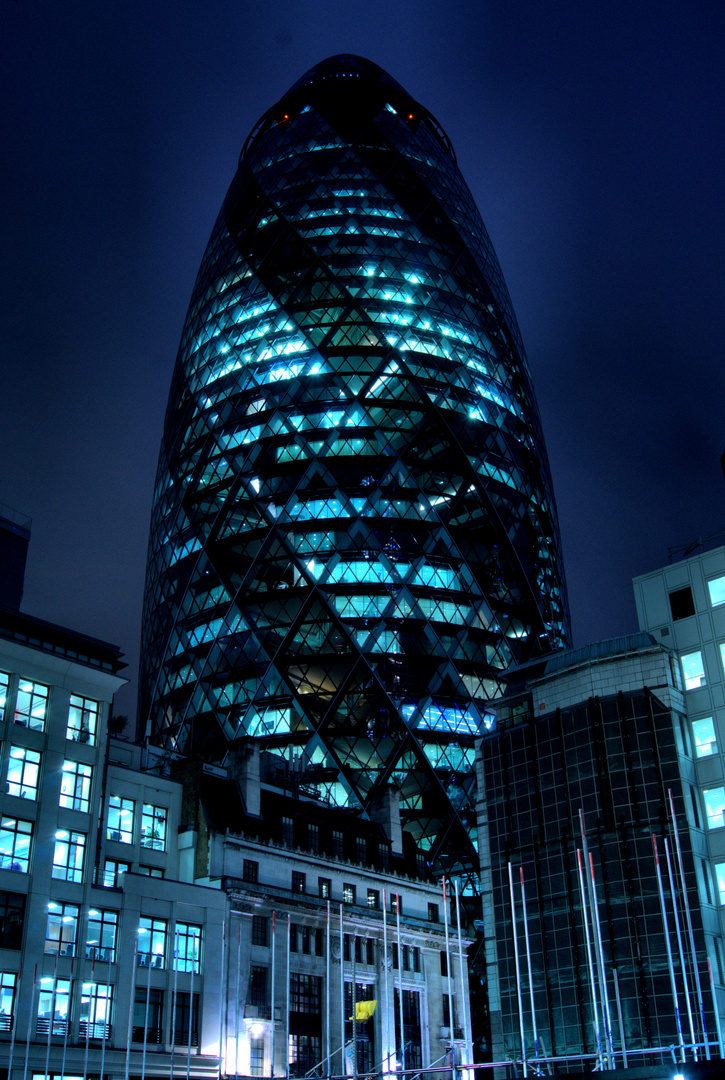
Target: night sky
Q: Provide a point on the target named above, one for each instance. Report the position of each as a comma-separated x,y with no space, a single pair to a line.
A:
593,139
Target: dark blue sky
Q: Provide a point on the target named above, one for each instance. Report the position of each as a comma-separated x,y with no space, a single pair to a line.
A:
593,139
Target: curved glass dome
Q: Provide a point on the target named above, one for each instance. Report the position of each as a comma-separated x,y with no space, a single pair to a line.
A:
354,532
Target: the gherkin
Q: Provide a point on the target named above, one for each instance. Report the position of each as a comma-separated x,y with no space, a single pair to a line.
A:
354,531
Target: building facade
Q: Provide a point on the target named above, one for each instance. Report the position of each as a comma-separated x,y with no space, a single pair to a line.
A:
683,606
157,916
354,532
599,925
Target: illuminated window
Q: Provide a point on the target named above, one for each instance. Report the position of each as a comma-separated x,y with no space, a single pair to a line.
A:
68,855
256,1057
120,819
7,999
53,1002
715,807
396,903
324,887
113,872
95,1018
187,948
373,898
720,876
153,827
101,935
705,738
722,655
15,837
693,670
348,894
716,588
4,688
151,942
75,786
82,720
31,706
61,929
23,770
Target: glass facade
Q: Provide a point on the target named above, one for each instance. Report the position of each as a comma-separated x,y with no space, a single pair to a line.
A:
615,760
353,532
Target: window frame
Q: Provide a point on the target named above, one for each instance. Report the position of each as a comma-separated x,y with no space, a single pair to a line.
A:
158,930
103,951
70,866
79,798
82,724
118,833
27,784
187,941
154,826
32,719
18,855
65,917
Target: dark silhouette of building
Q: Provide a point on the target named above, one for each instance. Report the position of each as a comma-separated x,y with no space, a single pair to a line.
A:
14,540
354,532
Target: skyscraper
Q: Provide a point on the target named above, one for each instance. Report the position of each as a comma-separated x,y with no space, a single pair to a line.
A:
353,532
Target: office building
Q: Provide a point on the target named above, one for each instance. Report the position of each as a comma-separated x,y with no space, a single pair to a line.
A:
683,606
353,532
159,916
586,770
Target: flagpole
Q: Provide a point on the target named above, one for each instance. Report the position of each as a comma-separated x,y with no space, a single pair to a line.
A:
688,919
237,998
466,1028
50,1025
131,1003
88,1021
67,1020
342,997
30,1019
597,941
146,1011
107,1017
13,1019
387,986
174,1000
191,1011
272,1011
518,973
680,948
327,991
669,951
592,981
400,976
287,999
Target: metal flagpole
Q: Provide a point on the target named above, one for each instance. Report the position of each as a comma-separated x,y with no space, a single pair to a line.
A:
174,1001
669,951
191,1011
67,1020
600,953
720,1046
222,1009
466,1029
288,1001
50,1025
400,975
528,964
680,949
688,920
272,1012
518,974
237,999
592,981
342,997
131,1003
146,1012
88,1021
106,1024
620,1017
327,991
450,984
597,942
30,1019
13,1018
386,1070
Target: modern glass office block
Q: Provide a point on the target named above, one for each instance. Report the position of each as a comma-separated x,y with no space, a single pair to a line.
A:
354,532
